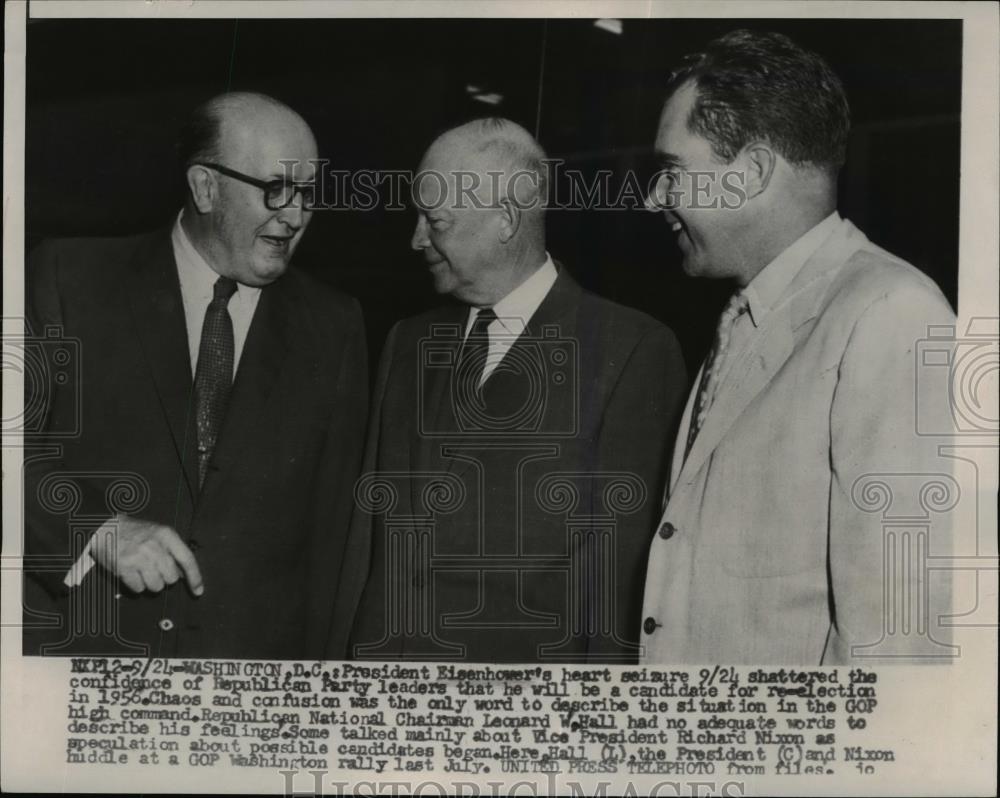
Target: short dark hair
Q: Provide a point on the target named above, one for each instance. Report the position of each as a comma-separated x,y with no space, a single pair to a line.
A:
761,85
199,138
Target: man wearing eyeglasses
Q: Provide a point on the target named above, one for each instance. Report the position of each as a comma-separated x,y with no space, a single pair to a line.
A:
224,391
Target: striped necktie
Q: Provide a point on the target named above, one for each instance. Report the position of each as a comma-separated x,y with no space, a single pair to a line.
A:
714,365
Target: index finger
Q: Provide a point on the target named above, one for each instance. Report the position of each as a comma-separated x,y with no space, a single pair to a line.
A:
185,559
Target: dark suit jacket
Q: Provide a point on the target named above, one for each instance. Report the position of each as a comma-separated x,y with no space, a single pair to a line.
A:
114,433
516,531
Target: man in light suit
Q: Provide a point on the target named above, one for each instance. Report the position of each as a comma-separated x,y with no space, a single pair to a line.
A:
188,492
770,548
516,438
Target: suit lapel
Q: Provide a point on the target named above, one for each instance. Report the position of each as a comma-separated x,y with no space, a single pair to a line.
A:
260,364
435,418
773,342
433,369
158,316
747,377
563,297
504,391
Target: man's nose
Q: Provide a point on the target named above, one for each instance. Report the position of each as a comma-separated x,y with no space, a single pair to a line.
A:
293,214
420,240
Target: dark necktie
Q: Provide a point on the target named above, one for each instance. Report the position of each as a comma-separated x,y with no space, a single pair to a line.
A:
714,365
214,375
472,358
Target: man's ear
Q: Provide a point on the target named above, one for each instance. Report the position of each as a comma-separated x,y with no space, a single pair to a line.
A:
203,188
760,161
510,219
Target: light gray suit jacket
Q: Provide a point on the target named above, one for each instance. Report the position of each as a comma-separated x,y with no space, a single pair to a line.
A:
775,545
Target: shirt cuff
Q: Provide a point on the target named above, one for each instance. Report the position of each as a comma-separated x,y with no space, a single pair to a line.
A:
86,560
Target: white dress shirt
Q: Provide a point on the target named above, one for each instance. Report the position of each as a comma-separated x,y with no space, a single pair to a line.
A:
514,312
763,292
197,281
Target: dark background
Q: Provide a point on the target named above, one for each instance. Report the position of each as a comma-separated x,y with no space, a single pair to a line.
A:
105,99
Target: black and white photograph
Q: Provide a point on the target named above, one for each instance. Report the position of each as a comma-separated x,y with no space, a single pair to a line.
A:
596,396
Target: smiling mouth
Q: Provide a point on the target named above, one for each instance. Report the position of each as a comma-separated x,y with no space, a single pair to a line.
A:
678,228
675,222
277,242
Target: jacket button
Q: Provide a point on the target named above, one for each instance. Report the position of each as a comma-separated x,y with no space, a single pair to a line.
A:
649,625
667,530
166,624
193,544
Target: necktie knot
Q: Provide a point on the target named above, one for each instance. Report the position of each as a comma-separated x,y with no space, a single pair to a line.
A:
480,327
223,289
738,305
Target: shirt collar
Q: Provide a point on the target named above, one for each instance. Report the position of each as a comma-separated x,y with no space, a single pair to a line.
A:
764,290
197,278
515,309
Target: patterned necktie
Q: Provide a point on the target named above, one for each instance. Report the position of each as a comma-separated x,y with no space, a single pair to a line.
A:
472,358
214,375
714,364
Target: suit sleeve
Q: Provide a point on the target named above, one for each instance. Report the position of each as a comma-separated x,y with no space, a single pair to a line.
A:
356,561
334,481
885,602
637,437
50,419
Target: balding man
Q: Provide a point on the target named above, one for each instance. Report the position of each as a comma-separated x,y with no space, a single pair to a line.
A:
517,438
222,392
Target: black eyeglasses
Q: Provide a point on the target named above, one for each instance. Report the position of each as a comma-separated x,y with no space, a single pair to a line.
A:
278,193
